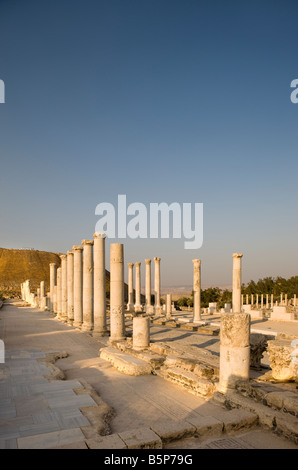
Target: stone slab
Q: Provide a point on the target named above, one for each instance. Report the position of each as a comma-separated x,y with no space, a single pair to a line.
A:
112,441
141,438
169,430
206,425
125,363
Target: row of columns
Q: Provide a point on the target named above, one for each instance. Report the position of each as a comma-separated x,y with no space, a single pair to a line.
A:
137,306
77,287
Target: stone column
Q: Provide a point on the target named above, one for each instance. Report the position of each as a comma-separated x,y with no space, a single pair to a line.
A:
267,301
59,307
87,285
42,296
236,296
63,315
55,297
117,324
286,299
168,306
100,326
70,287
77,285
272,301
138,304
141,333
262,301
196,290
130,305
53,281
157,285
234,349
148,285
281,299
246,299
257,301
294,300
252,299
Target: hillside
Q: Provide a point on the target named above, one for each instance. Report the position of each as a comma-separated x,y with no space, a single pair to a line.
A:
16,266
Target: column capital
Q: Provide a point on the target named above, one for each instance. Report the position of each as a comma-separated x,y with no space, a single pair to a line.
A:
53,264
148,262
157,259
77,248
87,242
196,261
70,252
237,255
99,235
130,265
63,256
138,264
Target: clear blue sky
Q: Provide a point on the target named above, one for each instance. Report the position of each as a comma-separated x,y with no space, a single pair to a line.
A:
164,101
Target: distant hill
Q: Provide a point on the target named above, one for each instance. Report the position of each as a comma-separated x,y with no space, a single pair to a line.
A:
16,266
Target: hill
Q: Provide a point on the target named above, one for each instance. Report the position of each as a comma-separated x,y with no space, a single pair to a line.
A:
16,266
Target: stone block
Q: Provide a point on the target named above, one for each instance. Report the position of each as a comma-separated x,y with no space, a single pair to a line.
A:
206,425
173,430
125,363
112,441
141,438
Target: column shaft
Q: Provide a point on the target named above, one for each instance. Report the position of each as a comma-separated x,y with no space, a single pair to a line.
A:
236,295
70,274
77,285
87,285
117,325
99,285
196,290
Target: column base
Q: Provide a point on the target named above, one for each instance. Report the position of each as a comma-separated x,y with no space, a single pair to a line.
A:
99,333
87,327
138,308
77,324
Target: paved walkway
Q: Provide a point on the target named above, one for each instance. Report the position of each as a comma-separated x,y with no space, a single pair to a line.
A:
36,412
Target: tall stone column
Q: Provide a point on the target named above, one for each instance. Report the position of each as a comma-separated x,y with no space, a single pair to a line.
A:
272,301
262,301
55,298
157,285
53,281
252,299
87,285
267,300
63,315
257,301
246,299
42,296
234,360
138,304
70,301
59,291
117,324
130,305
99,264
77,285
148,285
196,290
236,295
168,306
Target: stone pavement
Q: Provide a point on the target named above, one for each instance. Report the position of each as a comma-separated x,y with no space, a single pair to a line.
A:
39,412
